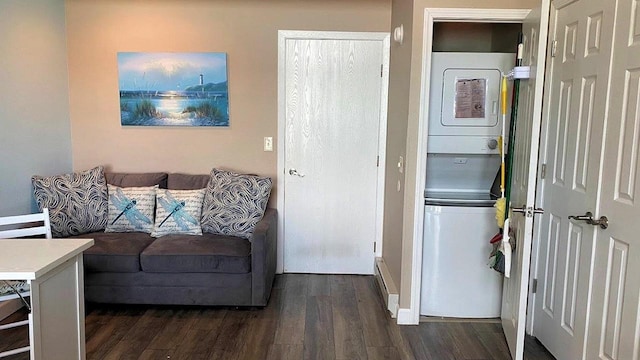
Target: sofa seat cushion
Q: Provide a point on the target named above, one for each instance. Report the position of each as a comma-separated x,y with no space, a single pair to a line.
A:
115,252
197,254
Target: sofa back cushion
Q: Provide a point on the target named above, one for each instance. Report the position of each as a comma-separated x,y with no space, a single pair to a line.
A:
137,179
77,202
179,181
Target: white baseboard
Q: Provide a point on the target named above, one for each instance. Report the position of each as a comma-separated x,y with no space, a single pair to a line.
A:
387,287
9,307
406,317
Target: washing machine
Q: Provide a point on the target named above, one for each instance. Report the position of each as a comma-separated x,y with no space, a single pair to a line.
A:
459,221
459,282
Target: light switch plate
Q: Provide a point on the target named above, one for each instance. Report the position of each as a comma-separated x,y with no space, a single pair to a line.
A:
268,143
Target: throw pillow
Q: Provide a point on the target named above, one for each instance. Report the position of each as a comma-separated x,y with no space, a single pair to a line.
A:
178,212
131,209
77,202
234,203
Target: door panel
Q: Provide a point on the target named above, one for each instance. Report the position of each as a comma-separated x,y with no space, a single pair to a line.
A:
332,91
515,288
576,95
614,331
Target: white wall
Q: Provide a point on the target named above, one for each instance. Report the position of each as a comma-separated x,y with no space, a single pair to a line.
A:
35,136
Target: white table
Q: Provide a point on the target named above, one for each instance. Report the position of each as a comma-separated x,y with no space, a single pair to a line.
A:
54,268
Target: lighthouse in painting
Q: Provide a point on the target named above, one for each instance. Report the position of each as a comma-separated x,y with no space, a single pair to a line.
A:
201,79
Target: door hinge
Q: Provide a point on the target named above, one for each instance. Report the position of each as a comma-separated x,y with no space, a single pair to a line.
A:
543,171
534,286
378,161
374,246
554,48
381,68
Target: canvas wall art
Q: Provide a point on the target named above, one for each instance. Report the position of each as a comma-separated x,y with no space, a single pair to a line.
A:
173,89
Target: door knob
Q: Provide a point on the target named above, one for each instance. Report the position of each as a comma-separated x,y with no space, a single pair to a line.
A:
295,172
603,221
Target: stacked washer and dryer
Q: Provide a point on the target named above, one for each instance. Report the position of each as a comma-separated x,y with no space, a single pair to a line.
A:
462,163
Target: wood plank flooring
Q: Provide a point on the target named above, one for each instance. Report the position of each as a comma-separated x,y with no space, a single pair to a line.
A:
308,317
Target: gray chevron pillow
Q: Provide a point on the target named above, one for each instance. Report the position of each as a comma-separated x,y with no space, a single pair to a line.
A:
77,202
234,203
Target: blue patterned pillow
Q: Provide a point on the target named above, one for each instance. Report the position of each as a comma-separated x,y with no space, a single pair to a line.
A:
131,208
77,202
234,203
178,212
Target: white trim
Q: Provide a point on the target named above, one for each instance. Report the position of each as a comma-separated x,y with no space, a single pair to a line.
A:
382,146
475,15
405,317
411,315
284,35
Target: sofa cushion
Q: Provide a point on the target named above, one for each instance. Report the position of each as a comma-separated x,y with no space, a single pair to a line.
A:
197,254
115,252
77,202
131,209
234,203
187,182
178,212
133,180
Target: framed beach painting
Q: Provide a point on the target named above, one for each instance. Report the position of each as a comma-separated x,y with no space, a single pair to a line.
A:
173,89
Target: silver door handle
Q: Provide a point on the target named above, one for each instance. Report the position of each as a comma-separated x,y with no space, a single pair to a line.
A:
603,221
295,172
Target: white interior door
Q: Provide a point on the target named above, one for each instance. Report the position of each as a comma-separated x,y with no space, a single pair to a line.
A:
577,83
523,185
614,327
332,99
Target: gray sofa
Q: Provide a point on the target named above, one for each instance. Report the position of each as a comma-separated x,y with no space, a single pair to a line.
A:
135,268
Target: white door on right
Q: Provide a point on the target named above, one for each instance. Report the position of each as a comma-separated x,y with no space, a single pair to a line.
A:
580,33
614,327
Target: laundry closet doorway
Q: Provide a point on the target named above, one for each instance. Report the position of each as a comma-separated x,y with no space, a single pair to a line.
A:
515,293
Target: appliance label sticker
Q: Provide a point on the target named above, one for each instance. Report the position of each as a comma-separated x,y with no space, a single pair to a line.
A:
470,98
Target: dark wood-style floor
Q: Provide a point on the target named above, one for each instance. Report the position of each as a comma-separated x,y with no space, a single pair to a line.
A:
308,317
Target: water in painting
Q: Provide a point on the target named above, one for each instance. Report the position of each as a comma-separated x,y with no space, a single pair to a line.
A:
173,89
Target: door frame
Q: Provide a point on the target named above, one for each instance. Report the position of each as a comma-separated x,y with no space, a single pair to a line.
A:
411,316
283,36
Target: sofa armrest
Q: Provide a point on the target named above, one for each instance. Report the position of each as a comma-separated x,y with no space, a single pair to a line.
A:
263,257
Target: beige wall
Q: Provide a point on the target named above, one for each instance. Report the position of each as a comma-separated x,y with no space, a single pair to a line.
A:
246,30
399,76
34,99
398,239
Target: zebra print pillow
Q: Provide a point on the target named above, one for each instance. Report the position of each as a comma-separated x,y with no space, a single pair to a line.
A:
131,208
77,202
234,203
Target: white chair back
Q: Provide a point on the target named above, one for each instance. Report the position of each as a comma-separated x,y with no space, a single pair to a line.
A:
23,225
18,227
